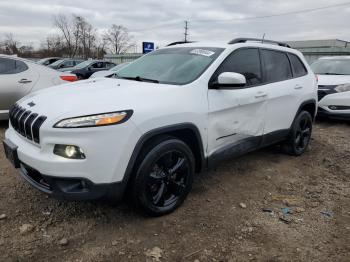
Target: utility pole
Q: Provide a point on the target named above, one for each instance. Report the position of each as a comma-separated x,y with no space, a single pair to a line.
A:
186,30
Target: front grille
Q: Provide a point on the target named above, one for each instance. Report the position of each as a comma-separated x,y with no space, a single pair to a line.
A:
324,90
321,94
26,123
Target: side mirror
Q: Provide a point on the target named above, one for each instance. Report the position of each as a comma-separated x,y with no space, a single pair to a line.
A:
230,80
89,68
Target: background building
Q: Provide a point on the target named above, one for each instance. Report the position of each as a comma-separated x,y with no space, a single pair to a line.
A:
314,49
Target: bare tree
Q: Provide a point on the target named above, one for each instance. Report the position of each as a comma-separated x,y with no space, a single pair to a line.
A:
70,32
118,39
52,46
87,36
11,45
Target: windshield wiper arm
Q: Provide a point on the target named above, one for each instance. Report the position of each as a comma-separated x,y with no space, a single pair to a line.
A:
332,74
139,78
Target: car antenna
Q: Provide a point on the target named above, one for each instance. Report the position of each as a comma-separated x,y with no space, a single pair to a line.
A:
263,38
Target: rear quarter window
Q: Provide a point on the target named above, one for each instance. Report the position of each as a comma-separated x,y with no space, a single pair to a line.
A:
11,66
298,67
276,66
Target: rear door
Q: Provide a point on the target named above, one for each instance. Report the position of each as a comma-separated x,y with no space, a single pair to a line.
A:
281,87
237,116
16,80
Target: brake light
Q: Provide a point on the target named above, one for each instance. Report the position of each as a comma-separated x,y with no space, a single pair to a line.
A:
69,78
316,76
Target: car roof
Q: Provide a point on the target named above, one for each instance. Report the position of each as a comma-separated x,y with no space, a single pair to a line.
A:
16,57
254,43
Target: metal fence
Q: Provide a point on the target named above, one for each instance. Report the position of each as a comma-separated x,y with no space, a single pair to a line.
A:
122,58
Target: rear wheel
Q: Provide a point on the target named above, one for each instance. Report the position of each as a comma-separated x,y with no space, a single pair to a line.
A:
164,177
300,135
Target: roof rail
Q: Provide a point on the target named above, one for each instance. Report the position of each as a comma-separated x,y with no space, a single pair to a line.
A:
244,40
180,43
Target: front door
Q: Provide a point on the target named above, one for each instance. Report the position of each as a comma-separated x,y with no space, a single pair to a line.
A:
237,116
16,80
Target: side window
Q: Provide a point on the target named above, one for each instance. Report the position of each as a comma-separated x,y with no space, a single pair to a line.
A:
297,66
68,63
109,65
7,66
11,66
276,66
245,62
20,67
97,65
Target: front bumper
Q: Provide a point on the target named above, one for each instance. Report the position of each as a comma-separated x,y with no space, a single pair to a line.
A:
70,188
107,150
322,113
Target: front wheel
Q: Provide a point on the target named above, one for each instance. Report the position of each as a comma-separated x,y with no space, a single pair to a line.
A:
300,134
164,177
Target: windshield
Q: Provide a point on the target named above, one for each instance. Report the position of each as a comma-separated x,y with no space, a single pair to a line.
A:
118,67
83,64
42,61
332,67
177,66
58,62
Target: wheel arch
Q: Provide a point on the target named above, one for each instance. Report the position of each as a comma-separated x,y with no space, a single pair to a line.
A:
187,132
309,106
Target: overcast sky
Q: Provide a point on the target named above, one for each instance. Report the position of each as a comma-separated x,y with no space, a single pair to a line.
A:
161,21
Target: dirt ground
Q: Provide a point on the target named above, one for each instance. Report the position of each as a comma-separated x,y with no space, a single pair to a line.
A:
233,213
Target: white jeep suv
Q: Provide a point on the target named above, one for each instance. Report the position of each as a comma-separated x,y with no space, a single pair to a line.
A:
164,117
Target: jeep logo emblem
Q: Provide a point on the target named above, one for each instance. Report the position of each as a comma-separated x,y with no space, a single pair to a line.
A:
31,104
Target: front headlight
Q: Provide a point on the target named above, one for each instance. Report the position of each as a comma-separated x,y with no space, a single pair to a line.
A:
342,88
104,119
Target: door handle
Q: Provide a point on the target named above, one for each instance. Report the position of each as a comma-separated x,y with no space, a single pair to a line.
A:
24,81
260,95
298,87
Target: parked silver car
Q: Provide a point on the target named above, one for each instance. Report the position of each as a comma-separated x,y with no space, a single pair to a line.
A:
19,77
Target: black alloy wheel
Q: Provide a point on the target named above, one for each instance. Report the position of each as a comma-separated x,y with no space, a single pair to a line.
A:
168,178
303,133
300,135
164,177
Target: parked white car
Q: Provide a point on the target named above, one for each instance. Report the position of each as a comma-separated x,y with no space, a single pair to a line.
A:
333,86
110,72
171,113
19,77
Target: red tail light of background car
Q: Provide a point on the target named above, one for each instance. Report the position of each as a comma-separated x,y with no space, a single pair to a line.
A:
69,78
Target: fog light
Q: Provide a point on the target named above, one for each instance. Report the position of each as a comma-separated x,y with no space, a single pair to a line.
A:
69,151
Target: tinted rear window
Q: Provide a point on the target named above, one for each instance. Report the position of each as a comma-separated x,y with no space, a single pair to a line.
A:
11,66
297,66
276,64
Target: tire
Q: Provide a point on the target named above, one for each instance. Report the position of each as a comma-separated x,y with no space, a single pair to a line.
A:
300,134
163,177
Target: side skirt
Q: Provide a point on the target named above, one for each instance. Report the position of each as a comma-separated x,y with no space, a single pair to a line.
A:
245,146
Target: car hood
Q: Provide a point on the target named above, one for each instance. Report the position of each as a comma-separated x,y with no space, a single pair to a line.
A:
103,73
100,95
67,69
325,80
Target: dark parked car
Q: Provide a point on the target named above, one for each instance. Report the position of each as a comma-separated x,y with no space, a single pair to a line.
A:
64,63
85,69
48,61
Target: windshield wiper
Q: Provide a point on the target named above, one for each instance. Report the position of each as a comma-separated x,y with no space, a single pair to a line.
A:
332,74
139,78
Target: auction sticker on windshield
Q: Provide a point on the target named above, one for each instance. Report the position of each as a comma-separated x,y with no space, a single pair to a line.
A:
202,52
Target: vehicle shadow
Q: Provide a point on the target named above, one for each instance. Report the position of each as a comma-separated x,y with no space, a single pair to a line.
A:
323,120
4,124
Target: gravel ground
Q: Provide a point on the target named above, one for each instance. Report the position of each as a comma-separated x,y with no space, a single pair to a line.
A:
234,213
